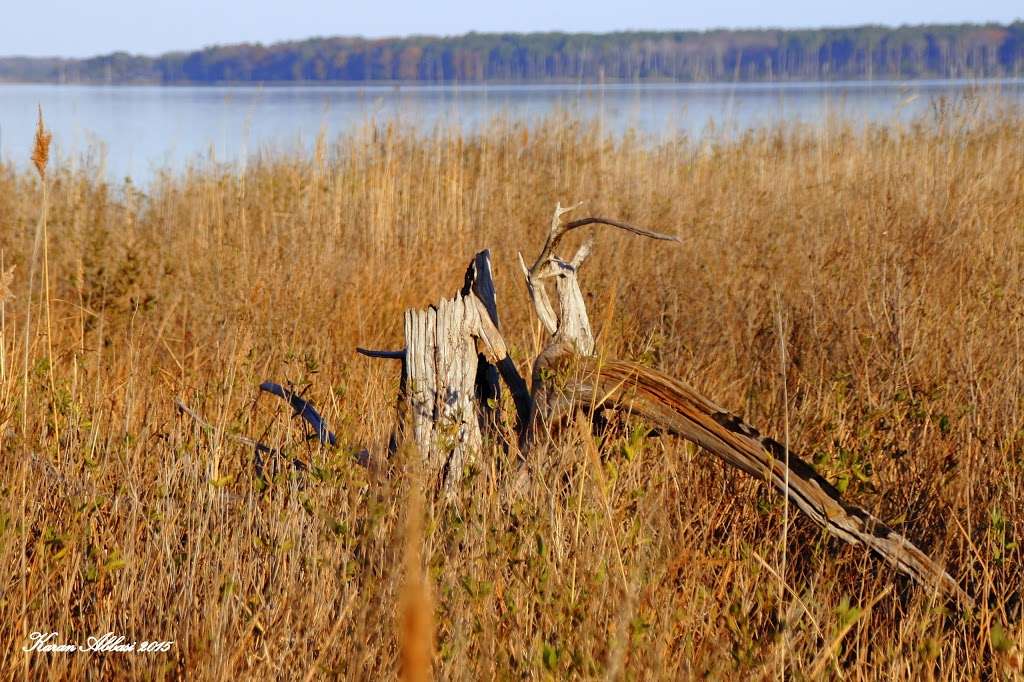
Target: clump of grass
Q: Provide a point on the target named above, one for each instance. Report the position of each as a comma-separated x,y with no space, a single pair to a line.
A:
893,254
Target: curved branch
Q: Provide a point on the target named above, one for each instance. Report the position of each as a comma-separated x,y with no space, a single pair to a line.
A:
571,320
302,409
595,220
678,409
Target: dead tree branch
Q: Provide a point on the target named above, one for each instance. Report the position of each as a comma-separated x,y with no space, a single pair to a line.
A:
382,354
571,325
302,408
568,379
676,408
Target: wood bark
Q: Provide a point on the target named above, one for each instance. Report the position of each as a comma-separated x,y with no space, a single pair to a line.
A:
567,379
676,408
450,391
455,352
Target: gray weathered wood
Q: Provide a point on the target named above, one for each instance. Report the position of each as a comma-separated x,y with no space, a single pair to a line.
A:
567,379
454,355
570,326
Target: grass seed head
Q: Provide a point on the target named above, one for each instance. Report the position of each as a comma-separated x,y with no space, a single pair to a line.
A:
41,148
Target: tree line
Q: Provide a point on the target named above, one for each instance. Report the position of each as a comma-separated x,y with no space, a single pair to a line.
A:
864,52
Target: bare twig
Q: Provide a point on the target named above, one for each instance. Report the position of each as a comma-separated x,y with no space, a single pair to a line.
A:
382,354
594,220
558,231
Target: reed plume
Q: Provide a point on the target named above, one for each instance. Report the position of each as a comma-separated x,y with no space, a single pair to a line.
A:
41,148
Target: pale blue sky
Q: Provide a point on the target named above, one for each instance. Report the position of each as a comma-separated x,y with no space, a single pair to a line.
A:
86,27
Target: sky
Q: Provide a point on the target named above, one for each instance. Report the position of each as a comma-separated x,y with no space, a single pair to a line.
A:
80,28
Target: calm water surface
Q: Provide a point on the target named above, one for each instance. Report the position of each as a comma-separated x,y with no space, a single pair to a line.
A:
136,131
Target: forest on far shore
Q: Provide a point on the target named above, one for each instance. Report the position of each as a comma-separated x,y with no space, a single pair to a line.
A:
865,52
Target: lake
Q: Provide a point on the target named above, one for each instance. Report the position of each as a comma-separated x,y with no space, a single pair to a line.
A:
135,131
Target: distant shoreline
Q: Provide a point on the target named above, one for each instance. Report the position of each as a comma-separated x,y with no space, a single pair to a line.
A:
940,51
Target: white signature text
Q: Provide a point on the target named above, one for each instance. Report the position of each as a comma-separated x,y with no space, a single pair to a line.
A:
47,642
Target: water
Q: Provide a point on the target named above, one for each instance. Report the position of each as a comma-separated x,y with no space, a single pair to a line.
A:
137,131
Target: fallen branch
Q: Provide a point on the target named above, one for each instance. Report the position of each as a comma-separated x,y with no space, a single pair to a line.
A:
567,378
302,408
676,408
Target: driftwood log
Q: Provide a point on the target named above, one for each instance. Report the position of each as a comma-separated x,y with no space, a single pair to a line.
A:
448,392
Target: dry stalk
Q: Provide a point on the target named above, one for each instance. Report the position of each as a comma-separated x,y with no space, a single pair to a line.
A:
416,611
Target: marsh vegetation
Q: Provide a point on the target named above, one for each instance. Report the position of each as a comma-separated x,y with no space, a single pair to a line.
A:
888,262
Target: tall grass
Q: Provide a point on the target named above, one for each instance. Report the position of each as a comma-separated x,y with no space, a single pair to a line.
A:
885,263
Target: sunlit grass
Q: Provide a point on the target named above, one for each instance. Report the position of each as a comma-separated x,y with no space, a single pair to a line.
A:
893,259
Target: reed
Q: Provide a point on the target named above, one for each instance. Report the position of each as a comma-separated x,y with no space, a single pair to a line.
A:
858,289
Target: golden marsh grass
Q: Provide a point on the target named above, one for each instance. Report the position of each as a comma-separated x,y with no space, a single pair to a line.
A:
889,261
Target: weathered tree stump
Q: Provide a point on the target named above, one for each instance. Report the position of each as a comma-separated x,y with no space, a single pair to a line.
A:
449,390
441,362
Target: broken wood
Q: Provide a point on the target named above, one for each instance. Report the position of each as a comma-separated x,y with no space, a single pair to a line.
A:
569,328
304,409
677,409
567,379
441,365
479,281
571,325
382,354
449,389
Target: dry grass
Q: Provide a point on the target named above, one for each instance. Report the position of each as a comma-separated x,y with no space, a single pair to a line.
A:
891,259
